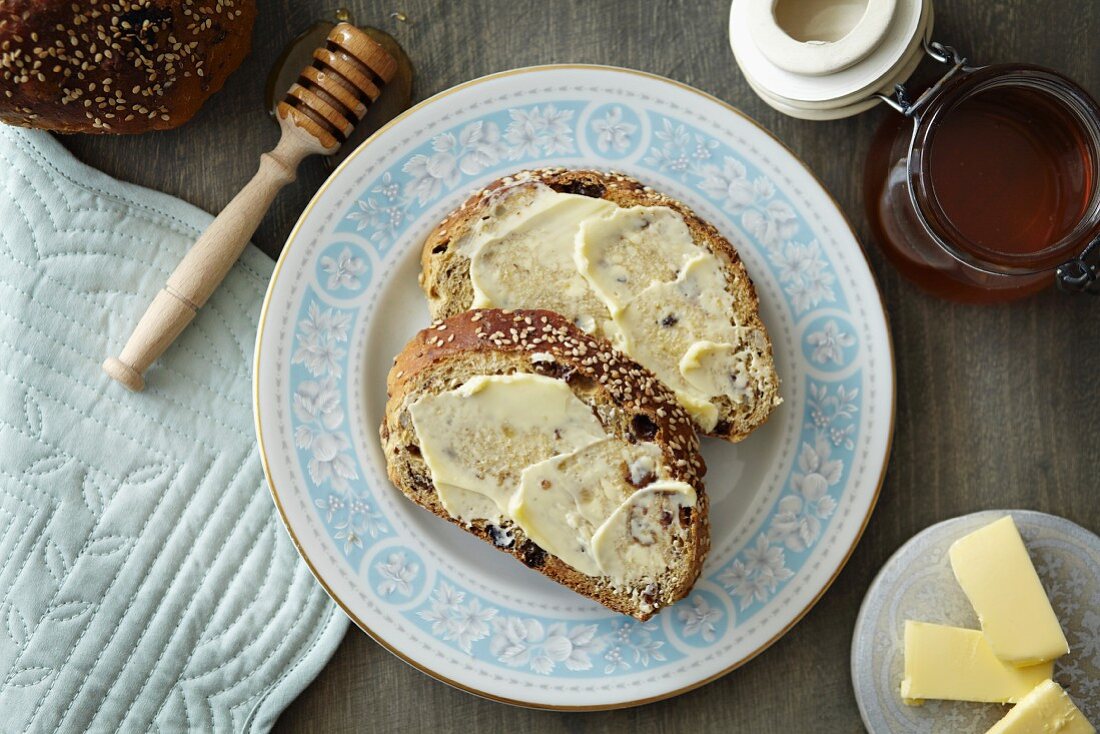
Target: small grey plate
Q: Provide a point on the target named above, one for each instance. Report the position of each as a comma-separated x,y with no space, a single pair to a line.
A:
917,583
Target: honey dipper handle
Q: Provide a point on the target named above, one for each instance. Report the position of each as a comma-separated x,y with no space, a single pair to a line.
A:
209,260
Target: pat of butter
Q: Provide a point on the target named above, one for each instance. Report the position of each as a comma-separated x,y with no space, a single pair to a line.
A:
478,438
526,259
632,275
719,369
562,501
994,570
660,325
1047,709
636,541
524,449
957,664
624,252
582,508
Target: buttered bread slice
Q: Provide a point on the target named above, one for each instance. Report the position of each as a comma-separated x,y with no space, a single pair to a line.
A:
622,262
540,439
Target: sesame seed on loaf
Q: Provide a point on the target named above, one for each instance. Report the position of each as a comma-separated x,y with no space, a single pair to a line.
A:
116,67
445,273
626,398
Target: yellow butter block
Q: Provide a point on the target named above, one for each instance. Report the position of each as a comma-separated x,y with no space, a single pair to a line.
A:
1045,710
952,663
994,569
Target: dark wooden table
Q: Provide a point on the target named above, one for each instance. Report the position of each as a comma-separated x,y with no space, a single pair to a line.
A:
996,405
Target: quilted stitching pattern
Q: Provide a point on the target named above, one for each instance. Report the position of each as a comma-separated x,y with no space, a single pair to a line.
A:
145,583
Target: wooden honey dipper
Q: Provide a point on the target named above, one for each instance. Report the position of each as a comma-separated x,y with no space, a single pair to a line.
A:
317,115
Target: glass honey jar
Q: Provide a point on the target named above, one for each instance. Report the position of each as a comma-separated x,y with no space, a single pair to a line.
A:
981,189
984,188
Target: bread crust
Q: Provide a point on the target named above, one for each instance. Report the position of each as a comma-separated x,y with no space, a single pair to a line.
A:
629,401
444,275
109,67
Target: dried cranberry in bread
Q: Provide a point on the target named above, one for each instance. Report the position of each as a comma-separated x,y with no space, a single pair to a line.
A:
634,409
728,383
116,67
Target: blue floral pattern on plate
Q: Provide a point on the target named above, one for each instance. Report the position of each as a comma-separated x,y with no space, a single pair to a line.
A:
398,575
829,343
505,140
614,131
343,270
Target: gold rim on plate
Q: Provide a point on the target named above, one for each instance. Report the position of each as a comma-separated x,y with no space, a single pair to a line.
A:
275,493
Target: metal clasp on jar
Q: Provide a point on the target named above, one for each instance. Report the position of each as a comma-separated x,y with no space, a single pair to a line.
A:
1079,275
942,53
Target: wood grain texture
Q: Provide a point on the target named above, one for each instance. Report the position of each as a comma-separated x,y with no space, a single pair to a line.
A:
996,405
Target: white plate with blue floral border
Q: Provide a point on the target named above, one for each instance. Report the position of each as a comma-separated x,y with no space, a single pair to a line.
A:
787,505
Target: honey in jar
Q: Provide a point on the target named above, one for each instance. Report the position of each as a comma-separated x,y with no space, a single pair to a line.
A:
987,188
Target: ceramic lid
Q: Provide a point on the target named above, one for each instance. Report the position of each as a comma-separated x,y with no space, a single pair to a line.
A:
823,59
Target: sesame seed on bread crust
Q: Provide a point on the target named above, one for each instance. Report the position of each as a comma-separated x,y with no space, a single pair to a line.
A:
445,273
626,398
116,67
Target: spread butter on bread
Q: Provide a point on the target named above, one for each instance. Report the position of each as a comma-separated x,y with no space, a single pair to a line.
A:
622,262
543,441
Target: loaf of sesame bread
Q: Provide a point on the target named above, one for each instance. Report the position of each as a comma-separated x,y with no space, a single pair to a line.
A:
116,67
643,448
623,262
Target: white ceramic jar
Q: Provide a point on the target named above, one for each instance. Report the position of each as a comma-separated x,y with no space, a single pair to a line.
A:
826,59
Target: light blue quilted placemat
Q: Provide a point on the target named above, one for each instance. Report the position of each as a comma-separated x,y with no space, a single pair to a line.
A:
146,582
